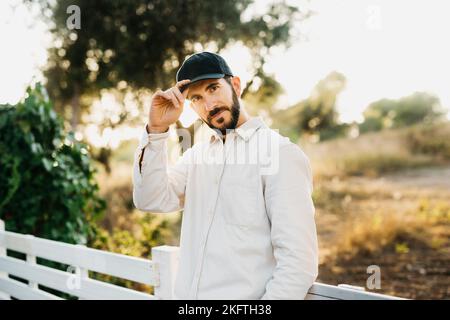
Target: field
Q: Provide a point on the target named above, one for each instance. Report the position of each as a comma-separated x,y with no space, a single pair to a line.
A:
384,199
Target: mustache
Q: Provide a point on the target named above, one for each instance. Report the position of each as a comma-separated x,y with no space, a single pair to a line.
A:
216,111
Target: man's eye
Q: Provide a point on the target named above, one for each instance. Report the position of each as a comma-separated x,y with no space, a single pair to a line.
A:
213,88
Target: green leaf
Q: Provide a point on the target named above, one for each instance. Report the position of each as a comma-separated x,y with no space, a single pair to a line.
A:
47,164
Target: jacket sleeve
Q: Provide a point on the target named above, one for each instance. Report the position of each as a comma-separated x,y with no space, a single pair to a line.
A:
288,196
158,187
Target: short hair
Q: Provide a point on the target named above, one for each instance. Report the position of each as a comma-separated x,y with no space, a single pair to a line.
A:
227,78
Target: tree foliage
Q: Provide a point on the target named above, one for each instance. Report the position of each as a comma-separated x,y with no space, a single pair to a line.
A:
141,43
317,114
47,185
406,111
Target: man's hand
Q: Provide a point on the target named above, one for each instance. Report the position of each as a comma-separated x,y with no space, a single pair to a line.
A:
166,107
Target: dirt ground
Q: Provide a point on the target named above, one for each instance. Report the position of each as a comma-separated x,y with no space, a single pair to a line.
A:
420,271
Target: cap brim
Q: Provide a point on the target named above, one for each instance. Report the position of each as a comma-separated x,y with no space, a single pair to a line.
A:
203,77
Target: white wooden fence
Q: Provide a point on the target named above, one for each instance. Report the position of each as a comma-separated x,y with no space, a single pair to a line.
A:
159,272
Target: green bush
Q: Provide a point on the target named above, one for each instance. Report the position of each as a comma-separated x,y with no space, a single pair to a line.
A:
47,185
148,231
419,107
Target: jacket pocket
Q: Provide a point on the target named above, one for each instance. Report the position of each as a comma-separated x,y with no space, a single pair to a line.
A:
239,192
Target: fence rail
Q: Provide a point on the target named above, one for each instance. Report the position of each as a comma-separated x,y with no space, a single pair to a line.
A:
159,272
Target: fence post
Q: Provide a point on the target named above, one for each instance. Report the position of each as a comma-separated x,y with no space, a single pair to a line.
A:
3,275
81,272
166,262
31,261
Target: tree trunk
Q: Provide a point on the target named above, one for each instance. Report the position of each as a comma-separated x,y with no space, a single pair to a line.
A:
75,103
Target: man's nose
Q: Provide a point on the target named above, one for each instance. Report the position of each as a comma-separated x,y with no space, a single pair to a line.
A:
210,104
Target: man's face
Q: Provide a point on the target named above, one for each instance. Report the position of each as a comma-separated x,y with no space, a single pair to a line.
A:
216,103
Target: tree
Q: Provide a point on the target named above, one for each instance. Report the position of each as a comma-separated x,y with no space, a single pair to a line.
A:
316,115
47,186
139,45
264,96
142,43
406,111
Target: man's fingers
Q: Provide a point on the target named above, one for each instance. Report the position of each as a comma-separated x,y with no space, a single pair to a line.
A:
174,94
185,92
158,93
182,86
175,101
169,97
165,95
180,97
182,83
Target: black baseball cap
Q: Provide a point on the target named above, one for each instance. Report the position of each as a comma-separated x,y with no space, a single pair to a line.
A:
201,66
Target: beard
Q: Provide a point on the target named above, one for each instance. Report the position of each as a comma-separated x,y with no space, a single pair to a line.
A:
234,109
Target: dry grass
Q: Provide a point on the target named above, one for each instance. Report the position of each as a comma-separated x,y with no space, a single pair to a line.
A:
372,232
378,153
384,198
116,188
411,248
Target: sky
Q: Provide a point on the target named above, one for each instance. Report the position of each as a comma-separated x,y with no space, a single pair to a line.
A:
385,49
22,52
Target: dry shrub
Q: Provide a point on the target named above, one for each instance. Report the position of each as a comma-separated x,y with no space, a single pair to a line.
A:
370,233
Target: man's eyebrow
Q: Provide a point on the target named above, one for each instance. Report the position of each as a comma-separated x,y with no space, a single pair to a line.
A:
211,84
189,97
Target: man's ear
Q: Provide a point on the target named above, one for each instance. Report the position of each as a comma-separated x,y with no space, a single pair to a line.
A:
236,84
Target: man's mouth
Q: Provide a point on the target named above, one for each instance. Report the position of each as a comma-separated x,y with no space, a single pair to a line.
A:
218,114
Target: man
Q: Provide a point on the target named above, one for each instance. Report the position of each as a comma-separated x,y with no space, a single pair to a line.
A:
248,229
